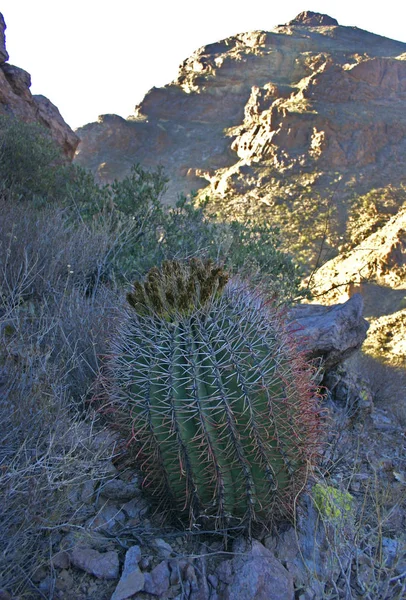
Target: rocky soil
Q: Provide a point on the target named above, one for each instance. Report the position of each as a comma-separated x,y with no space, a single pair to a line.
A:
346,544
17,101
347,540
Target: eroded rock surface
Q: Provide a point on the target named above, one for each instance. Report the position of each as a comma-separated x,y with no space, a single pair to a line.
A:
17,101
332,333
254,573
378,262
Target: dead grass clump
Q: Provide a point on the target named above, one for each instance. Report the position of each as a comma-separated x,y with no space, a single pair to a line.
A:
53,328
386,381
357,542
46,451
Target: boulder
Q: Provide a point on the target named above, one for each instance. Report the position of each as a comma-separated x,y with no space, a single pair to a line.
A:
102,565
332,333
254,574
49,115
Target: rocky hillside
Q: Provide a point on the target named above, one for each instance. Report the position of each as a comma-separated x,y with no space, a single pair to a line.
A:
16,100
376,268
293,123
379,261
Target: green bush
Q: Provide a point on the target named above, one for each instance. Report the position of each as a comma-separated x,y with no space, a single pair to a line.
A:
31,164
143,230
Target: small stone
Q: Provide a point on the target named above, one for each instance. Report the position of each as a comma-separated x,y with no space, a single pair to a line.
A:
46,584
216,546
136,508
87,492
164,549
255,573
213,581
133,555
157,582
101,565
191,577
39,574
119,491
61,560
132,580
66,576
177,566
64,581
106,518
145,562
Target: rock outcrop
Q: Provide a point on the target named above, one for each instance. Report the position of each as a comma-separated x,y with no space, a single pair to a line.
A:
312,19
17,101
378,262
308,109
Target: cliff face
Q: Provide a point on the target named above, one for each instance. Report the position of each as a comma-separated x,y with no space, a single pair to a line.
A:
16,100
254,113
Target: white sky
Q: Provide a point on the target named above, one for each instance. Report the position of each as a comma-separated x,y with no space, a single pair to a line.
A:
92,57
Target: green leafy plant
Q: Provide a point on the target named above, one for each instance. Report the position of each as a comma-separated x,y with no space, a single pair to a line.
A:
31,164
215,403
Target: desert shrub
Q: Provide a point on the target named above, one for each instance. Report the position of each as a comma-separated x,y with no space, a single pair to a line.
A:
140,230
46,450
160,232
53,328
255,253
31,163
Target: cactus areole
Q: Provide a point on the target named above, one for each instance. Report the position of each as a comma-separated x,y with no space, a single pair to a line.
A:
217,406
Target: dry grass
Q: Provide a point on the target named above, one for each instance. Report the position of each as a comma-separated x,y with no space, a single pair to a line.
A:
358,543
386,381
53,328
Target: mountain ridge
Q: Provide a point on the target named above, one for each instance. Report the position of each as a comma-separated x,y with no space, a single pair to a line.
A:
279,125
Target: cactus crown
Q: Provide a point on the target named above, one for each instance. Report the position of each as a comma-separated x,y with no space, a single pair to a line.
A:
177,288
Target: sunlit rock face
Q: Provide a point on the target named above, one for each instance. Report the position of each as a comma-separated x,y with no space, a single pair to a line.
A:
306,104
17,101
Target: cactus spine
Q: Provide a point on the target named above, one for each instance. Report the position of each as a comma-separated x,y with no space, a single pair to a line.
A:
216,405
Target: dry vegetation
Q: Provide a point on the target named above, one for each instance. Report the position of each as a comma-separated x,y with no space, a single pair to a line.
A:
51,335
64,264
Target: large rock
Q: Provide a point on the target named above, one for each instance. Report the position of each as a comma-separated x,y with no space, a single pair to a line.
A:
254,574
103,565
379,259
332,333
17,101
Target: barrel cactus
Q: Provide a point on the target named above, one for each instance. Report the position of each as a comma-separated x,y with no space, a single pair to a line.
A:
217,406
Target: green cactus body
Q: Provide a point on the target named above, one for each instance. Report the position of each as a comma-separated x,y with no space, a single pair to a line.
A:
216,405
